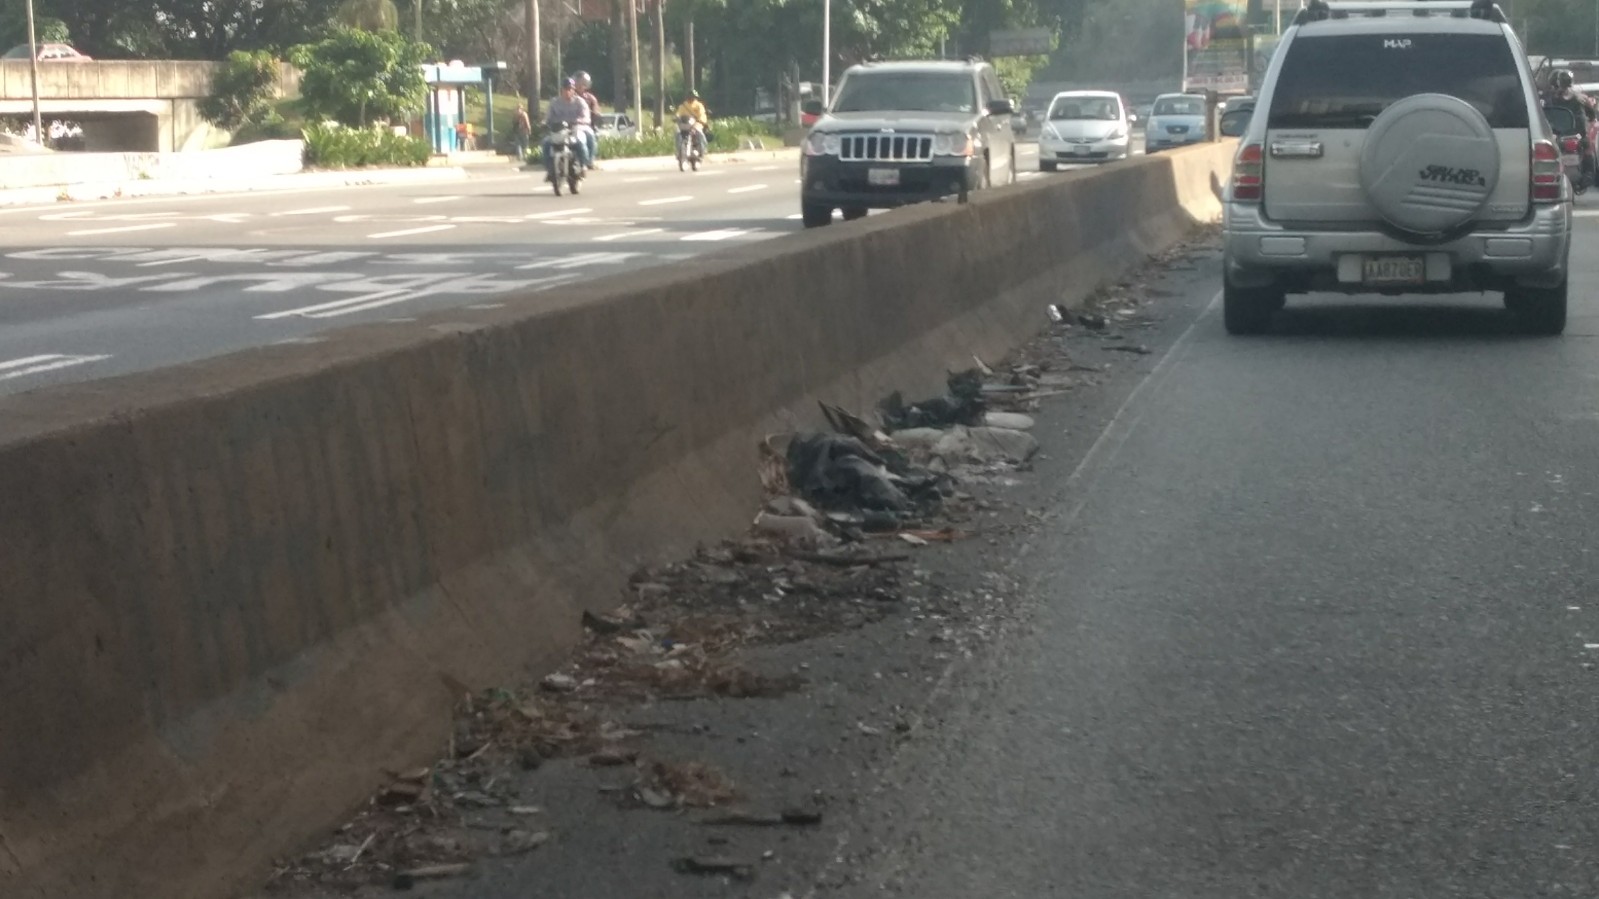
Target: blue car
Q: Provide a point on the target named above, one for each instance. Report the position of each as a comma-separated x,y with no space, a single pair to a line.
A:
1175,121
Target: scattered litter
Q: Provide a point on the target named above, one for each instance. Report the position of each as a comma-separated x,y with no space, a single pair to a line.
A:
560,683
793,528
963,405
868,730
1139,349
838,471
619,620
1093,321
405,880
715,864
1010,420
518,842
912,539
691,784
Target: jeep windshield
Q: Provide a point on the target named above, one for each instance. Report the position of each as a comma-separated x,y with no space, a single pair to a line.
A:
907,92
1347,80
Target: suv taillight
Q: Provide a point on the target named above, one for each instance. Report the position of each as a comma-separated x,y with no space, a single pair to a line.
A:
1249,170
1546,173
1570,145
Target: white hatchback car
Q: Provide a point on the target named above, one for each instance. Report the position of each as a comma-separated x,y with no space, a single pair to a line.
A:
1083,126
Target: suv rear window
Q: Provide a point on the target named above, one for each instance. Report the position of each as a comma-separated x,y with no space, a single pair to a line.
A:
1347,80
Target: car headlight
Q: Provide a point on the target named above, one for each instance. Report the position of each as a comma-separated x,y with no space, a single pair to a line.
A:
1118,134
820,144
1051,133
952,145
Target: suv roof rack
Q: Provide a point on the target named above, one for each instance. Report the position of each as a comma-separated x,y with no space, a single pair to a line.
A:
1321,10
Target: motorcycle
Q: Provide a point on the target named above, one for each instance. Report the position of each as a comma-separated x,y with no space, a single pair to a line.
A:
1577,137
568,170
689,140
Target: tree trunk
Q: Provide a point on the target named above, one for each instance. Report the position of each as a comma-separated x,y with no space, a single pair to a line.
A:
619,82
660,63
535,62
691,72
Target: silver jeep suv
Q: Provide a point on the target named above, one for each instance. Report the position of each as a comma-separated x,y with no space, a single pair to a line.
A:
1398,147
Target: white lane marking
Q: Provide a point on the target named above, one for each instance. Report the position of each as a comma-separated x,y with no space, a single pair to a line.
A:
747,189
622,235
723,234
407,232
118,230
664,200
1027,176
314,210
796,216
38,365
534,216
641,179
421,200
1585,213
765,168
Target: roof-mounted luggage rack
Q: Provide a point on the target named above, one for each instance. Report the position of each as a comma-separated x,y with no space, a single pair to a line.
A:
1321,10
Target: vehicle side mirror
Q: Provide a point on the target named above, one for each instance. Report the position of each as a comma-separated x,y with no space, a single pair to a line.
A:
813,107
1001,107
1235,123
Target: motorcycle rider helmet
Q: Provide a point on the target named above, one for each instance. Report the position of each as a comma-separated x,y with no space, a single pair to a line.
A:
583,80
1562,79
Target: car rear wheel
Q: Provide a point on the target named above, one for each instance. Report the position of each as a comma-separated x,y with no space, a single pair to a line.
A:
1541,310
1249,310
815,216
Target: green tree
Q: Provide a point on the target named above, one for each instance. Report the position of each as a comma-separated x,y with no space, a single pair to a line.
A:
356,77
242,90
370,15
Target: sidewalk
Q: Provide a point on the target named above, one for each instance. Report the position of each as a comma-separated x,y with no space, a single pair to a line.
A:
106,190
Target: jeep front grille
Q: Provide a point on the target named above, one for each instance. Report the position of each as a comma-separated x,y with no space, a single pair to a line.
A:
886,148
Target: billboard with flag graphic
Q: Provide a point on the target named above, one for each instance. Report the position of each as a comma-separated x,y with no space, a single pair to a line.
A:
1215,46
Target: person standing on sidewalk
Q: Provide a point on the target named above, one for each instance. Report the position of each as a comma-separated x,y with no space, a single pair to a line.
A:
522,130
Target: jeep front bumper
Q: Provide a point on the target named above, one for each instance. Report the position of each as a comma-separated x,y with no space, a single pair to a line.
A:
829,181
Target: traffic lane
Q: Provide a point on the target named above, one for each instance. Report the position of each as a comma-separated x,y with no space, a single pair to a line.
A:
1314,619
504,200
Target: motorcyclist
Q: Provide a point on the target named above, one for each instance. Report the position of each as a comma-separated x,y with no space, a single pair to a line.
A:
694,109
585,89
1563,93
571,109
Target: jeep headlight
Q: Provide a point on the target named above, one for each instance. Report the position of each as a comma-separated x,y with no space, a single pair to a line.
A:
952,145
821,144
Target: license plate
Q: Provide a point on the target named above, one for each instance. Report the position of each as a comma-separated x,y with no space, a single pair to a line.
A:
1176,129
1394,270
882,177
1080,150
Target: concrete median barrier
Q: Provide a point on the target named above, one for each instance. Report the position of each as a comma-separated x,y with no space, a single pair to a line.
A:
237,590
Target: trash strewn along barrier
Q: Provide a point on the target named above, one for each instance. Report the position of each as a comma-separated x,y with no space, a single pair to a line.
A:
238,591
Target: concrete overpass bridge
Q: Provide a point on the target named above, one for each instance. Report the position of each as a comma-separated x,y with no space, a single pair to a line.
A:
123,105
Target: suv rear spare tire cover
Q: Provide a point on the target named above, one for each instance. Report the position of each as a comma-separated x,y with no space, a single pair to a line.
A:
1429,164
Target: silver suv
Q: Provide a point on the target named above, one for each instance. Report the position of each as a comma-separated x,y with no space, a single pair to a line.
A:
1398,147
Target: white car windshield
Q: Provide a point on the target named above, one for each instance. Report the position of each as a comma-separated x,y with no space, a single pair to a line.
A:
1179,106
907,92
1099,108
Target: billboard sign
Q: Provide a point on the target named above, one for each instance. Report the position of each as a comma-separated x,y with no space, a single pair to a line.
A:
1215,46
1021,42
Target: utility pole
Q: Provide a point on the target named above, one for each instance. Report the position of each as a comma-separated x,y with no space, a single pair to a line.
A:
638,88
33,62
536,55
660,62
417,32
827,51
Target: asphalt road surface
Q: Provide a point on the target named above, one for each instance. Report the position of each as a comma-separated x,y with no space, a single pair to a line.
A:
89,290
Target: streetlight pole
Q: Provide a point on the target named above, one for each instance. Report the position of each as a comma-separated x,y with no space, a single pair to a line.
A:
827,51
33,62
638,89
1279,17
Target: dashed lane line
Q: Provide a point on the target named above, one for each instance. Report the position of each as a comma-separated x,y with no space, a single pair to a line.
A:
38,365
556,213
748,188
314,210
721,234
154,226
623,235
424,200
662,201
407,232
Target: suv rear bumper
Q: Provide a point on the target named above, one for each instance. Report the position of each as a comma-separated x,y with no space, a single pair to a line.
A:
827,181
1260,253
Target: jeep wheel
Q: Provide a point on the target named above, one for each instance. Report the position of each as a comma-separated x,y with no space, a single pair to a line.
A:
816,216
1046,166
851,213
1541,310
1249,310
